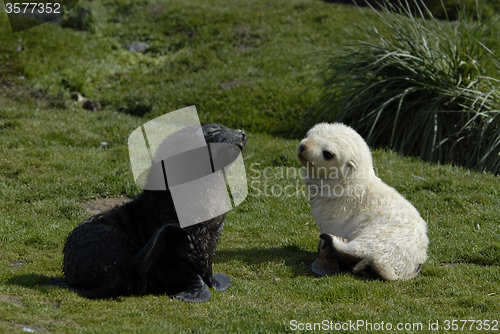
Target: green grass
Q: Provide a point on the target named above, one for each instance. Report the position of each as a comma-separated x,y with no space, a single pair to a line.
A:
51,161
445,9
228,58
426,88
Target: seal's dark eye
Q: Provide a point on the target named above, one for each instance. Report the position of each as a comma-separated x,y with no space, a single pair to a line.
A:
211,133
327,155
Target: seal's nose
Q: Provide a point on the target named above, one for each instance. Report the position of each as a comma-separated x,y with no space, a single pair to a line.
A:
302,147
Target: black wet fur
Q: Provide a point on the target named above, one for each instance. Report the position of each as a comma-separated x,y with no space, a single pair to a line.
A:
333,253
139,247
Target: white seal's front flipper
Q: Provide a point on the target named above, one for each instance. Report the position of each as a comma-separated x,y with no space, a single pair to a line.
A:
221,282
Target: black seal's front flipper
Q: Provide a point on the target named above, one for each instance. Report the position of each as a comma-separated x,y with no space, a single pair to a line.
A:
221,282
331,259
169,235
60,283
197,291
326,263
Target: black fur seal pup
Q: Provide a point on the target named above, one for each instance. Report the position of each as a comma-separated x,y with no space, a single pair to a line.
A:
139,247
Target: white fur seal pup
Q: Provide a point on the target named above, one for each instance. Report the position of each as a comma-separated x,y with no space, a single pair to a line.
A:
367,226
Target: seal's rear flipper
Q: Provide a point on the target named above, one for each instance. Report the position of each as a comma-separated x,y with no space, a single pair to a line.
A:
169,235
197,292
318,269
221,282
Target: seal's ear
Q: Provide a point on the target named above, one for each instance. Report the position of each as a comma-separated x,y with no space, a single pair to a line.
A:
352,165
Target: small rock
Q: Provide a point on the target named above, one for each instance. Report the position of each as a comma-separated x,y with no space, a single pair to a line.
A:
21,77
246,47
86,103
76,96
277,279
16,264
242,30
104,144
19,48
231,84
34,329
55,304
156,10
91,105
138,47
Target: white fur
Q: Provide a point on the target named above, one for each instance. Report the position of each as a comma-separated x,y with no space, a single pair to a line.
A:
384,231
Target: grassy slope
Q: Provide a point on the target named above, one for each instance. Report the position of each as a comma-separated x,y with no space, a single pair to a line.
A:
196,50
51,160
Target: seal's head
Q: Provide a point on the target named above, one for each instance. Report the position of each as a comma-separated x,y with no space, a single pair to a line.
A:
334,151
216,133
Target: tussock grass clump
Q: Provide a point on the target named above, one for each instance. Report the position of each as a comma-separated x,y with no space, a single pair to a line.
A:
445,9
420,87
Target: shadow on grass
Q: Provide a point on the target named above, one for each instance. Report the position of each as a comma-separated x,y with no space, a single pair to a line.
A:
33,281
297,259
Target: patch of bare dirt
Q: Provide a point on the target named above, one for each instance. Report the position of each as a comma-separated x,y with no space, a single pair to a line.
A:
15,300
98,205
